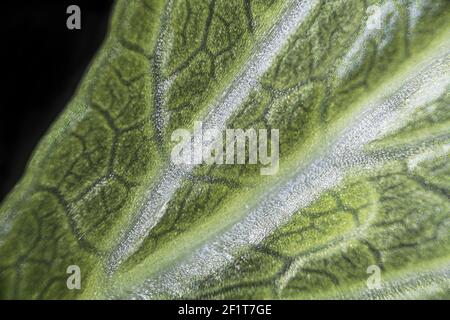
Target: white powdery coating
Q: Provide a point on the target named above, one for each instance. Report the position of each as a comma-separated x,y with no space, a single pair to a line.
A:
414,286
161,86
427,156
259,63
354,56
416,10
327,171
160,194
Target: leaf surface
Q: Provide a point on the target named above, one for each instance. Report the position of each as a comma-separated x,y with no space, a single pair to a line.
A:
363,180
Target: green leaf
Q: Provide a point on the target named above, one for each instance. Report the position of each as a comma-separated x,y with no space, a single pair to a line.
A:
363,180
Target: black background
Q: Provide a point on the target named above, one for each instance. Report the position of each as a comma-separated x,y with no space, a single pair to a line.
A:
42,64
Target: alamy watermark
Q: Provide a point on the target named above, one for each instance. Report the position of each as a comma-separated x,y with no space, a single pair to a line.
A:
212,146
74,20
375,17
374,280
74,280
